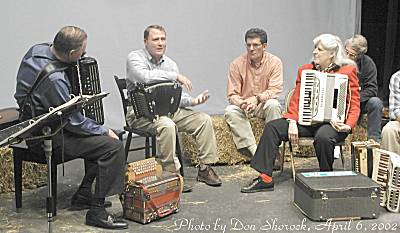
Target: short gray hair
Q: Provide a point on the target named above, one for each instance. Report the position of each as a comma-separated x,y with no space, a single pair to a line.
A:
358,43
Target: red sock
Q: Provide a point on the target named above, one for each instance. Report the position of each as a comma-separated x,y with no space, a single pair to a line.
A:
266,178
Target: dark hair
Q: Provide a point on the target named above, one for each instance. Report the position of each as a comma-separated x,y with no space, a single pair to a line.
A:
256,33
153,26
69,38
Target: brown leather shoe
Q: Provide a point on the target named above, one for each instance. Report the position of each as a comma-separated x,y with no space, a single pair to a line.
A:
209,177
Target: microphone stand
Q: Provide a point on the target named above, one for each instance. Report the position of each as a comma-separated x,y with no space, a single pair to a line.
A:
48,150
23,131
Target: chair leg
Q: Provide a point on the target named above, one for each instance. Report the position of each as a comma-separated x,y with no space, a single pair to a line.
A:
18,178
282,159
292,161
179,154
147,148
153,146
128,145
342,156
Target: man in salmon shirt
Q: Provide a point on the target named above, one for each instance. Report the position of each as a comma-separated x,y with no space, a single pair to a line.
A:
254,82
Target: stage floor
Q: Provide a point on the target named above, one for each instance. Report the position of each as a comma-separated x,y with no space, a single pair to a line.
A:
207,209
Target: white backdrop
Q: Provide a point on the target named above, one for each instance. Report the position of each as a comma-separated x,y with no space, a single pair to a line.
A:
203,36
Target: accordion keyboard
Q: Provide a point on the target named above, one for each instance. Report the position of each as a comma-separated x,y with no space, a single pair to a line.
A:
142,170
306,93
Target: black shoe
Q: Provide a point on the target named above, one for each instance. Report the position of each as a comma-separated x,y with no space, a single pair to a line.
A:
187,188
81,202
209,177
100,218
258,185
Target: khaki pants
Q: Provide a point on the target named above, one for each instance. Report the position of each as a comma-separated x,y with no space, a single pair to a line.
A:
391,137
239,123
197,124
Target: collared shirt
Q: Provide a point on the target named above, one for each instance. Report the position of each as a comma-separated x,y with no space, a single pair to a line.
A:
394,96
52,92
245,80
140,67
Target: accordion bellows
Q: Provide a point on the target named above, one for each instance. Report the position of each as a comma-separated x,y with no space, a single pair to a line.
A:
157,99
322,97
362,156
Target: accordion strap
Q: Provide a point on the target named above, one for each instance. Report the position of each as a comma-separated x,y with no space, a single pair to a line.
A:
50,68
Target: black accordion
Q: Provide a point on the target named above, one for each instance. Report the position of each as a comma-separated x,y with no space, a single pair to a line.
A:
85,80
157,99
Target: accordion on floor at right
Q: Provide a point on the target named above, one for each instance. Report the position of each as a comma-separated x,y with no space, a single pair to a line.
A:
385,171
322,97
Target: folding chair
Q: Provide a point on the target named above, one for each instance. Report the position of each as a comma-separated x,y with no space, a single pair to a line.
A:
303,141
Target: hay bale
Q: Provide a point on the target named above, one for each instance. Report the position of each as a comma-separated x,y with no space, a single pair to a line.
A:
33,175
225,146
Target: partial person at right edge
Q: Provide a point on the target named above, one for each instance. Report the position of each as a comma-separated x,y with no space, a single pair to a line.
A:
356,47
391,131
329,57
254,82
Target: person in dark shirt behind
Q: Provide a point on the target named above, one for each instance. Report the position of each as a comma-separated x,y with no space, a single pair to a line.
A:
356,47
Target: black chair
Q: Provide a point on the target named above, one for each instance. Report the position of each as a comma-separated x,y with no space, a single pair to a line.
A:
303,141
21,153
149,136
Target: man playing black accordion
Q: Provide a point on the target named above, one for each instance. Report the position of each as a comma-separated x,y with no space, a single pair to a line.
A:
149,65
329,57
82,137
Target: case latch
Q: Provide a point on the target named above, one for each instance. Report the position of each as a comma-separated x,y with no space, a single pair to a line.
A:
324,197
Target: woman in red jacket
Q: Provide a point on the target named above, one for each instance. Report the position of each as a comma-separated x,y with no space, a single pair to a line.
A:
328,57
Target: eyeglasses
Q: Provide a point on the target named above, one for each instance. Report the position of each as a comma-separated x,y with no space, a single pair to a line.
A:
350,53
256,46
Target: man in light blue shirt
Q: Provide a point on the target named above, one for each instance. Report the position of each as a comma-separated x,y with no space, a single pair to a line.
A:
149,65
